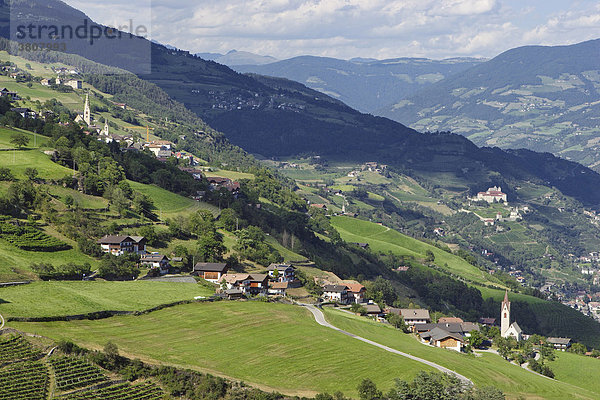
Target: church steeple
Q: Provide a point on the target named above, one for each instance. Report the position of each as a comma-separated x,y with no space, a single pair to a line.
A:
87,114
505,315
105,130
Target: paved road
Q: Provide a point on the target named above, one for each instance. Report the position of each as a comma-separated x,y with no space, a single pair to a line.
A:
320,318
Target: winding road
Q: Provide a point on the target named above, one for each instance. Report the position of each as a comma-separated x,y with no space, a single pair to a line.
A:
320,318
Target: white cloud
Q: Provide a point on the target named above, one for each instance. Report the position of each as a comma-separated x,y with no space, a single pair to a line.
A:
365,28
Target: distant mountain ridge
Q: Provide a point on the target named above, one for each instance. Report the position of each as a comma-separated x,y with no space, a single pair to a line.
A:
367,85
537,97
234,57
278,117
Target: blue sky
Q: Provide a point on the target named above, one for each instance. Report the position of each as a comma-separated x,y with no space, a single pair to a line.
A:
356,28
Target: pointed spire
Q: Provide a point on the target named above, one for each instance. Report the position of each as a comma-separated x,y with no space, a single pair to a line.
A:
505,298
87,114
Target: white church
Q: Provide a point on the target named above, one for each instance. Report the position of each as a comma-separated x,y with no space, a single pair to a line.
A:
86,117
506,328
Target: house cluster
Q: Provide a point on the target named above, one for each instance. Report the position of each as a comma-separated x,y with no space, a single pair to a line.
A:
118,245
278,279
492,195
373,166
162,149
217,182
73,83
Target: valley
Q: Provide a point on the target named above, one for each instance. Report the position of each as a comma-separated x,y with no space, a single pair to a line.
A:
162,233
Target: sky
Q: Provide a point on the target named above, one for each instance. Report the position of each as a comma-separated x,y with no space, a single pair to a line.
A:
355,28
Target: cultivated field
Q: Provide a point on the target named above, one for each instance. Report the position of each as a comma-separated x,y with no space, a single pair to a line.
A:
39,299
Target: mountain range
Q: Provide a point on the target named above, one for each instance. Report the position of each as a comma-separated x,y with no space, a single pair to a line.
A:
536,97
278,117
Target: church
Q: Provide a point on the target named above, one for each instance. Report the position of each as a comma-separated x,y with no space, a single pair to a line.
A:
86,118
506,328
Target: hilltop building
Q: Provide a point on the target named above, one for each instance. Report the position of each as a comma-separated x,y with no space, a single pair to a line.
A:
492,195
506,328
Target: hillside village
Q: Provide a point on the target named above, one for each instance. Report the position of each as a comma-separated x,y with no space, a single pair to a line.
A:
129,239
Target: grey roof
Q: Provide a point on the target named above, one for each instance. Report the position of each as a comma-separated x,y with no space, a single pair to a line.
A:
233,291
414,313
153,257
114,239
211,267
372,308
559,340
469,327
137,239
439,334
517,327
279,267
258,277
335,288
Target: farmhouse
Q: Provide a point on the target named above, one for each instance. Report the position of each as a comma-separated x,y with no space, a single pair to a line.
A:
492,195
278,288
356,292
24,112
9,94
373,310
252,284
156,261
414,316
119,245
560,343
439,337
338,293
285,272
211,272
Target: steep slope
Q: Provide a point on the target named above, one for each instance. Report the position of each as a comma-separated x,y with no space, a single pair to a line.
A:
366,85
275,117
540,98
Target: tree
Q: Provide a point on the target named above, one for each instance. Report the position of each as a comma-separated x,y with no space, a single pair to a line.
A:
228,220
210,248
20,140
429,256
476,339
358,309
31,173
397,321
6,174
367,390
69,201
578,348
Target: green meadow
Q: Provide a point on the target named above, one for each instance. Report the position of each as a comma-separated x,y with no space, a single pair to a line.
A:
275,346
168,204
280,347
57,298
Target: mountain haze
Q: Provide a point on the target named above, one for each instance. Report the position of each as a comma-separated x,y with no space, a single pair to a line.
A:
537,97
365,84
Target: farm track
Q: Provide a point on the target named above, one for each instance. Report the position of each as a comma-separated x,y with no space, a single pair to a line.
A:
320,318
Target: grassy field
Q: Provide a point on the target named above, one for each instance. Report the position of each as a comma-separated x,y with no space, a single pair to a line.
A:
15,263
576,370
273,345
383,239
40,299
169,204
302,358
7,133
80,199
18,160
230,174
489,369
